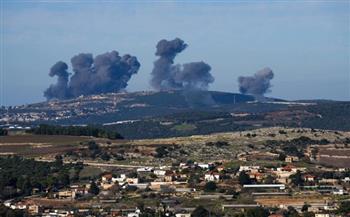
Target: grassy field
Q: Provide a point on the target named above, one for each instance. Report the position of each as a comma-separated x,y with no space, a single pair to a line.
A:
39,145
42,139
196,148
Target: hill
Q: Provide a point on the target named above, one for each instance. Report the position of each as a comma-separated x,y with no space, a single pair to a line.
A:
181,113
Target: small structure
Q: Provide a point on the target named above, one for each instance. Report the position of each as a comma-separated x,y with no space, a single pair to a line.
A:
291,159
212,177
280,186
309,178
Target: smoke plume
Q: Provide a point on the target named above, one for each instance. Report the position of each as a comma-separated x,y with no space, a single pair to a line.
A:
107,72
258,84
59,90
167,76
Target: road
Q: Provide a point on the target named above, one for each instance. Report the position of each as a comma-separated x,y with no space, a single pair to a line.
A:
96,164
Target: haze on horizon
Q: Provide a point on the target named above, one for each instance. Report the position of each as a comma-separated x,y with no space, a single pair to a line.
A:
306,44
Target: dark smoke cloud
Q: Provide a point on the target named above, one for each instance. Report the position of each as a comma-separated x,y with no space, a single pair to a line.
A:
105,73
167,76
258,84
59,90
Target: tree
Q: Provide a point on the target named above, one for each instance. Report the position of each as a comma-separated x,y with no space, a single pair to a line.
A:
291,212
269,179
305,207
308,214
105,156
257,212
297,179
344,207
63,179
161,152
281,157
94,189
58,160
244,178
210,186
3,132
200,211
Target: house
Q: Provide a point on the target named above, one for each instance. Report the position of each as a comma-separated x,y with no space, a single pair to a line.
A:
107,178
291,159
329,181
258,176
80,190
280,186
212,177
136,213
242,158
121,179
169,176
67,194
324,215
249,168
140,185
132,180
145,170
289,168
338,192
220,168
19,205
184,165
205,165
309,178
346,179
34,209
183,214
159,172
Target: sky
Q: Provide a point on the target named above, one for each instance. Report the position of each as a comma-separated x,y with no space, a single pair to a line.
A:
305,43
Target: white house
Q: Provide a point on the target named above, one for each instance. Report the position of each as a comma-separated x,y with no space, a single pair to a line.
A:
183,215
323,215
249,168
205,165
159,172
280,186
212,177
145,169
120,179
135,214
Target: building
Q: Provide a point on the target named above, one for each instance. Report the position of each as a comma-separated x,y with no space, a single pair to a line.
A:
309,178
291,159
212,177
280,186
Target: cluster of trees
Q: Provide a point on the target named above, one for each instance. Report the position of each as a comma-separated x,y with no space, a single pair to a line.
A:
201,211
334,116
45,129
19,176
3,132
153,128
94,151
218,144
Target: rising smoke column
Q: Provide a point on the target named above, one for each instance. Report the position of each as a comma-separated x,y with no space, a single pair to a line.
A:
60,89
258,84
105,73
167,76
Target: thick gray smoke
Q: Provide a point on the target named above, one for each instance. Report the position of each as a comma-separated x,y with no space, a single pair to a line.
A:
107,72
258,84
59,90
167,76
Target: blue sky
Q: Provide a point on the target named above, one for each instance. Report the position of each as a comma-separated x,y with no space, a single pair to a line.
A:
306,43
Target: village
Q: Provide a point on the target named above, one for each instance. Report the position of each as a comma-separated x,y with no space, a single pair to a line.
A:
179,190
